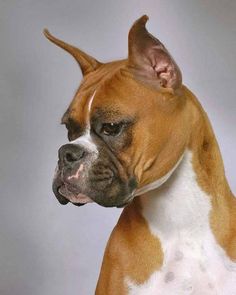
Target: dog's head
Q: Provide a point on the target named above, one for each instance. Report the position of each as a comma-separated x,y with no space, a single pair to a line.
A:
127,123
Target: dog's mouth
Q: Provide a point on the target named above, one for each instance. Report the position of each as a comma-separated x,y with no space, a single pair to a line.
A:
66,189
66,193
79,187
73,196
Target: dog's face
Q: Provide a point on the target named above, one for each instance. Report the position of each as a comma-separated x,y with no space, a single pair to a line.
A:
126,124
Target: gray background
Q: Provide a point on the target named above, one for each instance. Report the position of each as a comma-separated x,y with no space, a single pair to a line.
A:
46,248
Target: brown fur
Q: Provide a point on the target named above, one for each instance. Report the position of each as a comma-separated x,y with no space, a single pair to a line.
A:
136,255
169,120
211,178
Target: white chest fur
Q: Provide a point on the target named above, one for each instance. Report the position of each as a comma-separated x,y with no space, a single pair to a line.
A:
178,214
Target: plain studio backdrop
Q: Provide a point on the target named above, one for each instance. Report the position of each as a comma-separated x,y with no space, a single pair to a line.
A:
46,248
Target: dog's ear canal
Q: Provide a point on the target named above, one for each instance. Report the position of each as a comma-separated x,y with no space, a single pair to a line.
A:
86,62
149,58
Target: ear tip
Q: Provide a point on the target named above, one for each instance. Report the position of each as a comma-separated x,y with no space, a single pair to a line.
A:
139,24
46,32
142,20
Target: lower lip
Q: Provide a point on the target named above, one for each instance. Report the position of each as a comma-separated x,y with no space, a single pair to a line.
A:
80,198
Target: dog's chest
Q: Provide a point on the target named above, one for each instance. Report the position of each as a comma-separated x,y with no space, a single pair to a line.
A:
190,267
193,261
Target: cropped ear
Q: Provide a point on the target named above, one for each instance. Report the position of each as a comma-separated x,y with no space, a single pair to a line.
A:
150,59
86,62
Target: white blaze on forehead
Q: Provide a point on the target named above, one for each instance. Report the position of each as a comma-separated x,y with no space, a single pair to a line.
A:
91,101
89,110
86,139
87,142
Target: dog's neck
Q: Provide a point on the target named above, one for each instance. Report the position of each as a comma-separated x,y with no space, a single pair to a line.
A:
196,194
179,205
190,220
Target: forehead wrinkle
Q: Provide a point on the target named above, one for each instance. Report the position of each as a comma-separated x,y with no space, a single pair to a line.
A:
111,113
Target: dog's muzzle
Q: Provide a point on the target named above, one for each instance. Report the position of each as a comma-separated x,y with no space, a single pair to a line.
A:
70,175
87,175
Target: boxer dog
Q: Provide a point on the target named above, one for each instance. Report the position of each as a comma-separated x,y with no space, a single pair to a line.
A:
139,139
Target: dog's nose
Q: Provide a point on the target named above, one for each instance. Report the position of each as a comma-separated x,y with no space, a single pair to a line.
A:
70,153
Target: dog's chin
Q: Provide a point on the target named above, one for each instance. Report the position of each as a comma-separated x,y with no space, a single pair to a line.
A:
64,195
115,203
74,197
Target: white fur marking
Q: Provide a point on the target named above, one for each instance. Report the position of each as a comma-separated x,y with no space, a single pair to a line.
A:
178,214
91,101
88,127
87,142
86,139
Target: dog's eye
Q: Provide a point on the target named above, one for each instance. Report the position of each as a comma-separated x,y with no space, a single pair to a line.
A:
112,129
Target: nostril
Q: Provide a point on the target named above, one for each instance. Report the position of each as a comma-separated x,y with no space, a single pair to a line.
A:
70,153
70,157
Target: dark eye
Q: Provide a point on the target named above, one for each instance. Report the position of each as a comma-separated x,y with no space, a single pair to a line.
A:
111,129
